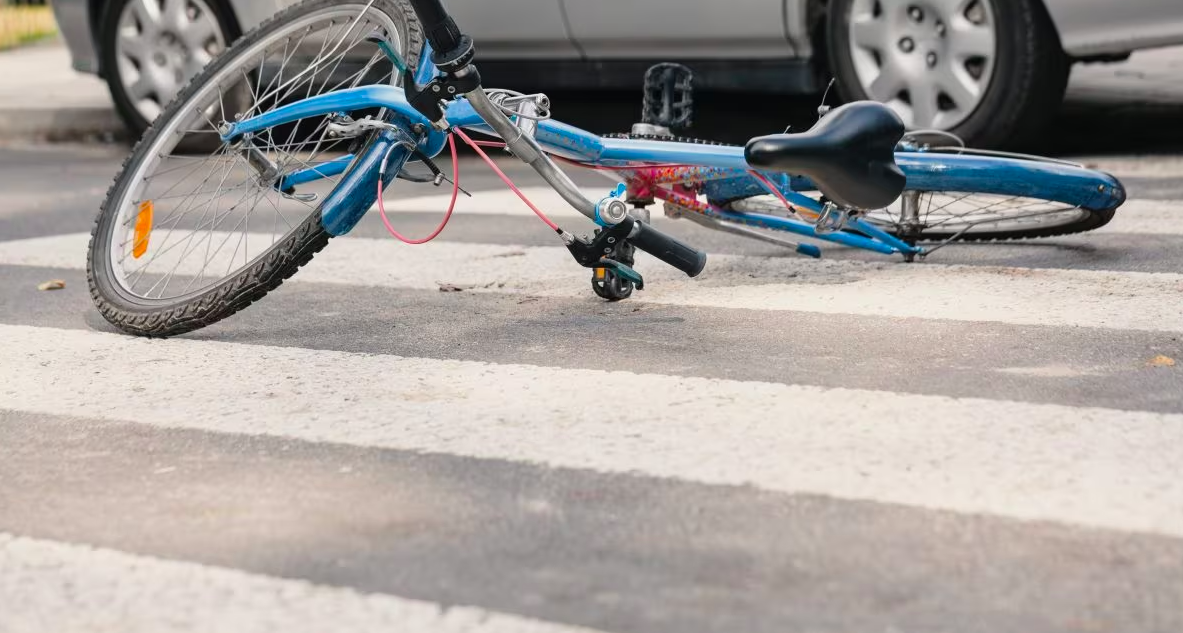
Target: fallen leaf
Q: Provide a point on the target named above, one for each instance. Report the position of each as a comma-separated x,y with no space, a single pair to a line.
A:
55,284
1162,361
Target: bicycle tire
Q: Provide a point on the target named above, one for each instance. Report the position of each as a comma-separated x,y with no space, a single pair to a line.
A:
163,318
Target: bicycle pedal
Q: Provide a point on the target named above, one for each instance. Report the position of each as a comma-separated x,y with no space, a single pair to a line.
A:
623,271
669,96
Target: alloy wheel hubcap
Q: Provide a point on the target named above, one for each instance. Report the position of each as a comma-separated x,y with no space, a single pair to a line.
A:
930,60
160,45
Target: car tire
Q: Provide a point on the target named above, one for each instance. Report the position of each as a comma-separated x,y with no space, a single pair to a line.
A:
165,52
1025,85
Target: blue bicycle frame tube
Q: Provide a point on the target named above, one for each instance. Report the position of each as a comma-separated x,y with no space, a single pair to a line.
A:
561,138
354,196
925,171
725,168
775,222
327,169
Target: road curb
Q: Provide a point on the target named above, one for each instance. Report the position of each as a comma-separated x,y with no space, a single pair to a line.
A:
61,125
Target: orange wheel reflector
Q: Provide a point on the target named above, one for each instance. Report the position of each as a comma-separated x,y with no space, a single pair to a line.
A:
599,273
143,230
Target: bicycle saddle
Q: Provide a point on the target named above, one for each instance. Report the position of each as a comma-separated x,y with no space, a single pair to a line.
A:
849,155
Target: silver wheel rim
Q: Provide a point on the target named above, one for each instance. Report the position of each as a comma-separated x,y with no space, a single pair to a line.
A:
161,45
930,60
950,213
213,216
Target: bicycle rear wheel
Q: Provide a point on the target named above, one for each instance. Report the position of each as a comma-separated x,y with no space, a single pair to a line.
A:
183,241
984,197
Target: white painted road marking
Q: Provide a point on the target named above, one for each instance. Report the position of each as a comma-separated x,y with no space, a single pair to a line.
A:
1152,217
1135,166
1019,296
1089,466
50,586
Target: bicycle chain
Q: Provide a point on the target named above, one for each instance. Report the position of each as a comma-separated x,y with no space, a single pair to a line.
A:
672,139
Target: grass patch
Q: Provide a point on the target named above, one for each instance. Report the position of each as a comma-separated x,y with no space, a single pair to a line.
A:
21,25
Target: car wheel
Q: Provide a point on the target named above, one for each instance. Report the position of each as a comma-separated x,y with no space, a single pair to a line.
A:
991,71
151,48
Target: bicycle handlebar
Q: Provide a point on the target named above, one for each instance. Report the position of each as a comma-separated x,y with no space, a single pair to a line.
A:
451,45
682,256
440,28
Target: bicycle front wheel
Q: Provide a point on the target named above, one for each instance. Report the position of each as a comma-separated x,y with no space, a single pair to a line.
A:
984,197
183,241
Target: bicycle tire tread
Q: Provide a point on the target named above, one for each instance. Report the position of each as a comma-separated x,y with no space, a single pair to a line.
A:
1094,220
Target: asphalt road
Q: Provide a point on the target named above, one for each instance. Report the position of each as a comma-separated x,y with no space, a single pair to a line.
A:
990,440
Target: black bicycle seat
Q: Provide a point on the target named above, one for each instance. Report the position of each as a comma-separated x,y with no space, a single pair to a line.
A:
849,155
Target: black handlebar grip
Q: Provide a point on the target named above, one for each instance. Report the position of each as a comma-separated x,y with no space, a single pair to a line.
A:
669,250
440,28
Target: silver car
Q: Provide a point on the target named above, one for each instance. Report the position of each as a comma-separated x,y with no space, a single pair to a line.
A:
991,71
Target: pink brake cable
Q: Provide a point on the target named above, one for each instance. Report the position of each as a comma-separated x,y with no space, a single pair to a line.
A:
456,191
476,146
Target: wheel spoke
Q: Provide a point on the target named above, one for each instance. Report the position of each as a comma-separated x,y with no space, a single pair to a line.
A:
969,41
142,88
888,85
924,104
198,34
204,207
133,46
947,214
951,8
959,87
148,14
868,32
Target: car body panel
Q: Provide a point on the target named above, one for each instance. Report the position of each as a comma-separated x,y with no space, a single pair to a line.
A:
500,30
797,14
516,29
650,29
251,12
74,24
670,29
1108,27
499,27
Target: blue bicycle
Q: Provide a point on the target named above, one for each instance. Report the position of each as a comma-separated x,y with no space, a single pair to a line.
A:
307,120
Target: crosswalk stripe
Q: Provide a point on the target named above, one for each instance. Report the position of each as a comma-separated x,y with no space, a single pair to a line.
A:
52,586
1159,217
1137,166
1152,217
1088,466
1021,296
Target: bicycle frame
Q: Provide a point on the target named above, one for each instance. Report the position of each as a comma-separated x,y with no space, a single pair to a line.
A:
721,171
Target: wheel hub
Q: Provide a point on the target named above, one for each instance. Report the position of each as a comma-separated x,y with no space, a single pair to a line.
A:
930,60
160,46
